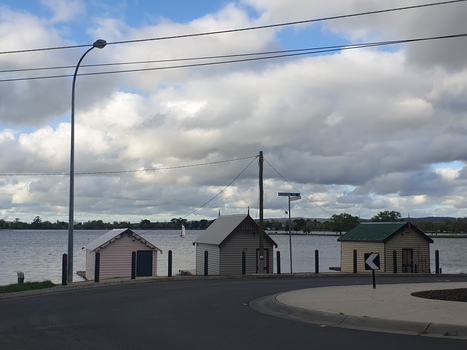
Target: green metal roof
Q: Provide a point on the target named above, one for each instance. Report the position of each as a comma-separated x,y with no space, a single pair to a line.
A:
373,231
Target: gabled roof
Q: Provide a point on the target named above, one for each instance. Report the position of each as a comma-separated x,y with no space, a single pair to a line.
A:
112,236
379,231
223,226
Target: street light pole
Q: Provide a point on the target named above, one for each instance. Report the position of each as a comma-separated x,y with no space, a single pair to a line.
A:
291,197
290,237
100,44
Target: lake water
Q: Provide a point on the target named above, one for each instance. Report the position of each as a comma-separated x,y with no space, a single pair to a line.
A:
38,253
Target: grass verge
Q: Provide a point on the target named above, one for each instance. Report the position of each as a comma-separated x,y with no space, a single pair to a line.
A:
20,287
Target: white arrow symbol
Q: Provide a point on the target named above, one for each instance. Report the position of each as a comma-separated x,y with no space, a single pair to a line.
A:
369,261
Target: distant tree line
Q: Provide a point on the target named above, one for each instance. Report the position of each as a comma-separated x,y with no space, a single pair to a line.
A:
145,224
339,223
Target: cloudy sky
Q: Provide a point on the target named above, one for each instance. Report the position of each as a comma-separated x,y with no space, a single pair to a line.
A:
177,134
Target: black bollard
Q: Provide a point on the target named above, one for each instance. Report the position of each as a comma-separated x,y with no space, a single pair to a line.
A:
243,263
394,261
278,255
205,262
437,269
169,272
354,261
316,261
97,266
64,269
133,265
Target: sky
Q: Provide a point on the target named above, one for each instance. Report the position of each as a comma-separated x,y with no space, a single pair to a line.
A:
355,131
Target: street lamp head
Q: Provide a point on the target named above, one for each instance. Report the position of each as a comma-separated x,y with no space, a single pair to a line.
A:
100,44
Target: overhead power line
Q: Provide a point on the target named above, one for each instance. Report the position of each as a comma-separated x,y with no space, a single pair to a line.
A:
296,189
268,26
130,171
226,31
263,56
221,191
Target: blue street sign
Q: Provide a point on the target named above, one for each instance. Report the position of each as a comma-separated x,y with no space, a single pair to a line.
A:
288,194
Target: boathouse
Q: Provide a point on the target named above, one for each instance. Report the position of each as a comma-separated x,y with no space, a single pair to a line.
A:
230,246
116,249
402,247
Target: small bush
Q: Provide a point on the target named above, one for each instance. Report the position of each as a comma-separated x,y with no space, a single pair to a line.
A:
184,273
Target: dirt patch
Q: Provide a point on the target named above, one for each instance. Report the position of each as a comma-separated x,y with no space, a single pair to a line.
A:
444,294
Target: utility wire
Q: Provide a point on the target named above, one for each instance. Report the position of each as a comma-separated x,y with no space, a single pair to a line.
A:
174,59
221,191
130,171
309,50
287,53
296,189
268,26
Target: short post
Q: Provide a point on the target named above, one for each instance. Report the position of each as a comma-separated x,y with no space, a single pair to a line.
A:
394,261
169,265
64,269
316,261
437,269
20,277
205,262
355,261
133,265
243,263
372,262
278,259
97,266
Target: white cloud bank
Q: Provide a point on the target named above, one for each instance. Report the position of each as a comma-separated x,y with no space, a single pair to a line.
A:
358,131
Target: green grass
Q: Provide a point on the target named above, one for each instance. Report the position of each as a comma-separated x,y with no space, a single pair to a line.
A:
26,286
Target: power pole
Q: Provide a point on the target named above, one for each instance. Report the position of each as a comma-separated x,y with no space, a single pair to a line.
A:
261,238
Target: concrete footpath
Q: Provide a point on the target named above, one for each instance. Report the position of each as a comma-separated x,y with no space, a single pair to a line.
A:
387,308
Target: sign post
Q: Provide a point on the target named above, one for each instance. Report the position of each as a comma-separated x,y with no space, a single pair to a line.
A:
293,196
372,263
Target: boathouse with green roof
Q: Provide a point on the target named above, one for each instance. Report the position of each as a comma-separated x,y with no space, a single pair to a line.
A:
402,247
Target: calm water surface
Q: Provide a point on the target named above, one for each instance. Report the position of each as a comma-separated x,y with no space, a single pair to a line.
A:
38,253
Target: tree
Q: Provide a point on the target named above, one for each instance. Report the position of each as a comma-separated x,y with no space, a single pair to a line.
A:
300,224
145,224
344,222
37,221
177,223
387,216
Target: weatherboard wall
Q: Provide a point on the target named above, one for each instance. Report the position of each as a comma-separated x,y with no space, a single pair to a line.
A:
362,248
116,258
213,258
408,239
243,242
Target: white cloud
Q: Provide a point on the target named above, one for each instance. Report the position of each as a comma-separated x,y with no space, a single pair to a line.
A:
357,131
64,10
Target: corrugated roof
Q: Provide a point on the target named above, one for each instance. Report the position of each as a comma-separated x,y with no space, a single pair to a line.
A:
107,238
372,231
222,227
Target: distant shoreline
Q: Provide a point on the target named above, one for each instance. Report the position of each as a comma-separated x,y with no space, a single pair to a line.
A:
318,233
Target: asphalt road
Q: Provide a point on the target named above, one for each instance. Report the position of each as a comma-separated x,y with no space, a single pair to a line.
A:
190,314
